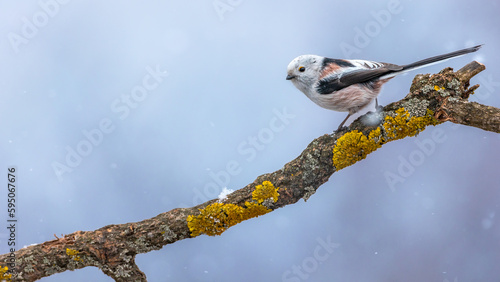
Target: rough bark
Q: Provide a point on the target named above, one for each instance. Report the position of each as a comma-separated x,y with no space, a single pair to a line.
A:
113,248
473,114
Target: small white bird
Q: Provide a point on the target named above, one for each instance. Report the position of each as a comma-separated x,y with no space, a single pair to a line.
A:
350,85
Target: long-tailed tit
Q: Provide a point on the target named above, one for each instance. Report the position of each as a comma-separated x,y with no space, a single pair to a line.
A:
350,85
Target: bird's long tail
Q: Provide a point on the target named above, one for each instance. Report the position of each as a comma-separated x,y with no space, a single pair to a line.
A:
433,60
440,58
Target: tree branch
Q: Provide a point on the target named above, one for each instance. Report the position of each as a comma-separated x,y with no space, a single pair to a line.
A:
432,100
473,114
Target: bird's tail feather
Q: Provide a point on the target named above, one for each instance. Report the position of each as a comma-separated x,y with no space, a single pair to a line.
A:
440,58
433,60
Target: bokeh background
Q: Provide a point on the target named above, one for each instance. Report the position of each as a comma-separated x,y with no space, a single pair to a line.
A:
218,97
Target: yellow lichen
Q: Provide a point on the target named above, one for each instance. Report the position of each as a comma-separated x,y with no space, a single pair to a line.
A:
3,274
402,125
437,88
265,191
73,254
355,146
217,217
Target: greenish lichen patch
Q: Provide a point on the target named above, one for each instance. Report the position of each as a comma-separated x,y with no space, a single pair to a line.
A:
124,255
427,88
310,164
168,235
143,245
416,107
454,84
123,271
309,192
441,91
419,82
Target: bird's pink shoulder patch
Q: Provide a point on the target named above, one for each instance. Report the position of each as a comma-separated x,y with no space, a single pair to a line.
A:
329,69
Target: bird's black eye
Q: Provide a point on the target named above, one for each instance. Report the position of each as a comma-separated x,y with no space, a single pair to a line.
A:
302,69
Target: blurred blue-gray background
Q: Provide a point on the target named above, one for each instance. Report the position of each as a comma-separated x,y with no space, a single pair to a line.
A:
116,111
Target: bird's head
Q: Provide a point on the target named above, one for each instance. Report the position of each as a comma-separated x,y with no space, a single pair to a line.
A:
304,71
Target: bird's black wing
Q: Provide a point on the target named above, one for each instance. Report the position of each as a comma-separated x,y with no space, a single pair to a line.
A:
359,71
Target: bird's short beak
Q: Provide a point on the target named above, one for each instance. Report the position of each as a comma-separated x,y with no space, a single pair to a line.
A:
288,77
